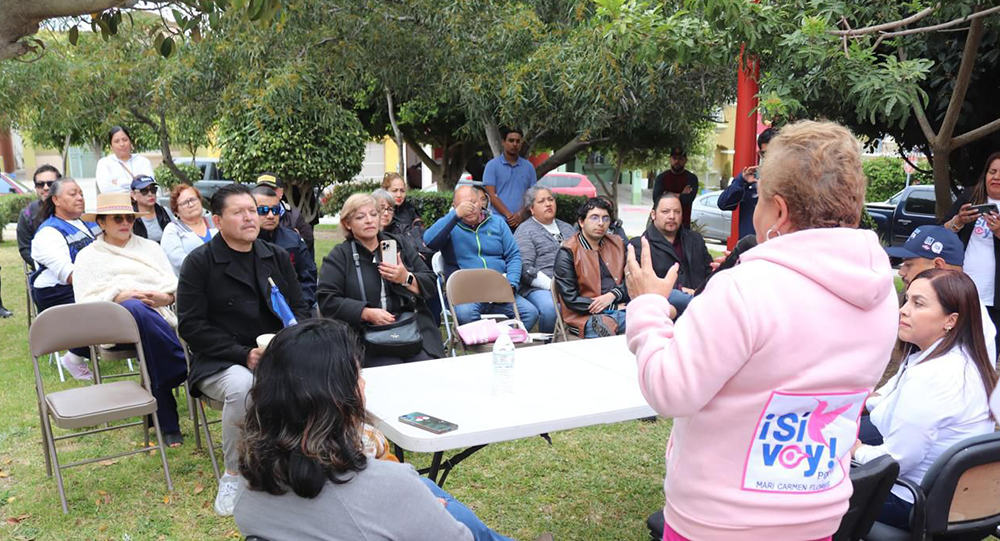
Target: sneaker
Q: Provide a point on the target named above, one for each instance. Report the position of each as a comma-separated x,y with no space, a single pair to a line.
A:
225,500
77,367
600,326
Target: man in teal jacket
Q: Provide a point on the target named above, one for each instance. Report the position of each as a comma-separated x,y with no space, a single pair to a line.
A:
470,238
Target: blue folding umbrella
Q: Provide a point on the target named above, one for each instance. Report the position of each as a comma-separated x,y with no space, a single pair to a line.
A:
280,305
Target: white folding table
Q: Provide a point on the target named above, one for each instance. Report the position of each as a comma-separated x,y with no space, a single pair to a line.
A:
556,387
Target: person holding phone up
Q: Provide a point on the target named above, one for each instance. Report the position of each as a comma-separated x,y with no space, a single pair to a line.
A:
393,280
977,224
742,191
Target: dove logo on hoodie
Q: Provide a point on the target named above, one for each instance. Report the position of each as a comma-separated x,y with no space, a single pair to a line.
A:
800,440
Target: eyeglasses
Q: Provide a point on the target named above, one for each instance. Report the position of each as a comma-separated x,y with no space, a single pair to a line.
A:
386,210
276,210
597,219
121,218
148,190
189,202
44,184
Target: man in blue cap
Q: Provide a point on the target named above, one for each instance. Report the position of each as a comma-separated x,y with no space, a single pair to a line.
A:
936,247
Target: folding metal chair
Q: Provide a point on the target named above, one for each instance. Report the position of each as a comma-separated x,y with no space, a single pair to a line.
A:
561,332
199,417
478,285
80,325
437,265
31,312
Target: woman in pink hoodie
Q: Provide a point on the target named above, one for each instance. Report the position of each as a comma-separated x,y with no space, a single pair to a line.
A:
768,370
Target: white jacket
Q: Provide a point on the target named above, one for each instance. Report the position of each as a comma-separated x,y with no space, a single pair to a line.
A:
179,240
103,271
927,407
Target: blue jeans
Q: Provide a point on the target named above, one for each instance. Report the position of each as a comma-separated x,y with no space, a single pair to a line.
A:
542,300
466,313
868,434
679,300
896,512
617,315
461,513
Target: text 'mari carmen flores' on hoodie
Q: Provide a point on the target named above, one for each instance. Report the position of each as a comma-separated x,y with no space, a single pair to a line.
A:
766,375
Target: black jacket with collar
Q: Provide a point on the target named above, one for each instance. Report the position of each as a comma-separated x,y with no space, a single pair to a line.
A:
339,293
218,304
162,216
697,263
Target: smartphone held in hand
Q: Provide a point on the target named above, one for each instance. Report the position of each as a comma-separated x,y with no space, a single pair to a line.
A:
389,252
988,208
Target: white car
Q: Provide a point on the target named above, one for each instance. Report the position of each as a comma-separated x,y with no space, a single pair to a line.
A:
714,223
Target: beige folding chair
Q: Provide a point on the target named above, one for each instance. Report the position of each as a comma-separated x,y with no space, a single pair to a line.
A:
79,325
561,332
478,285
199,417
31,311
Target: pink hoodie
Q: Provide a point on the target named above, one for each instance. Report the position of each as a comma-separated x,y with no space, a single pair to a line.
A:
765,375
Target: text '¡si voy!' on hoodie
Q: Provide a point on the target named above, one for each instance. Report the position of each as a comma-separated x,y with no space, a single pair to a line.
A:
490,245
766,375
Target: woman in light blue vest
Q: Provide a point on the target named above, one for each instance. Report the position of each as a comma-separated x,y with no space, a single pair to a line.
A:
61,236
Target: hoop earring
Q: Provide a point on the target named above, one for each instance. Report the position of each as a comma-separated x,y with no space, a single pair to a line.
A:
767,235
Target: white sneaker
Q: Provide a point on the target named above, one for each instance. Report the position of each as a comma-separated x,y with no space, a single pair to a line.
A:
77,367
225,500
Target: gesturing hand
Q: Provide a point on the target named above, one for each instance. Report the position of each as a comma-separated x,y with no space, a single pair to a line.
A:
642,279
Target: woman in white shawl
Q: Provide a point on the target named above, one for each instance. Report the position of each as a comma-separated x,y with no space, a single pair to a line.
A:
134,272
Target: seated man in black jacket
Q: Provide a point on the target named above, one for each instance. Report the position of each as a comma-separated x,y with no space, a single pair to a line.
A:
224,302
270,210
669,243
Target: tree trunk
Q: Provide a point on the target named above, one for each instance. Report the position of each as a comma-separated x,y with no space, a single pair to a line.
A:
493,137
401,166
565,154
164,137
942,183
446,172
302,197
65,154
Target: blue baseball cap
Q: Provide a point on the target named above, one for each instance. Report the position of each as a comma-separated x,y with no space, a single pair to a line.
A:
142,181
931,242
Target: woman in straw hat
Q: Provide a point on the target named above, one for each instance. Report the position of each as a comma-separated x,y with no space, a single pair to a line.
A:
134,272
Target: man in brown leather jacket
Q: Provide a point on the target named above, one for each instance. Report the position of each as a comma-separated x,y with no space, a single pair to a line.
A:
590,274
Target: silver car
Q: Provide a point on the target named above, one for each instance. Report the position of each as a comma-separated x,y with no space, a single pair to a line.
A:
712,222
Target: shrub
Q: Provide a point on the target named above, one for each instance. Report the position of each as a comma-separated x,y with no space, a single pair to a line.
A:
166,178
340,192
431,206
11,207
885,177
567,205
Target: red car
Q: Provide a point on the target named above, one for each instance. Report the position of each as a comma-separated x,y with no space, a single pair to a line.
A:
9,185
569,184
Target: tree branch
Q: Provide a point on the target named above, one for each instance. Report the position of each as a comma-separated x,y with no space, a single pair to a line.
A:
906,159
969,55
565,154
887,26
949,24
975,134
918,111
395,129
431,163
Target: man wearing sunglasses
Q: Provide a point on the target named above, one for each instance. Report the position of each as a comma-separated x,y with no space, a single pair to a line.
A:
270,210
152,218
292,218
590,274
27,222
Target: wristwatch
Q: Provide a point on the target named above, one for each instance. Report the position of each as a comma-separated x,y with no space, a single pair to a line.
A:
409,279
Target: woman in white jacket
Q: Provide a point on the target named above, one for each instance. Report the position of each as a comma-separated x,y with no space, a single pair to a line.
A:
132,271
939,395
189,230
116,171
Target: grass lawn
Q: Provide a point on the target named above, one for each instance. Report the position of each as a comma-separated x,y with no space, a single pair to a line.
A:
597,483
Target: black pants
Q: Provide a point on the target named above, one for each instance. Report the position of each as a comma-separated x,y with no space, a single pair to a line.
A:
58,295
895,511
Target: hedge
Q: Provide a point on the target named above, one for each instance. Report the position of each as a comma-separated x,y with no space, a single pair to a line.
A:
11,206
886,176
431,206
165,177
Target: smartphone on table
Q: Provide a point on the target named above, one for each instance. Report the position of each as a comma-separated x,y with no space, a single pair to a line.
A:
427,422
389,252
985,209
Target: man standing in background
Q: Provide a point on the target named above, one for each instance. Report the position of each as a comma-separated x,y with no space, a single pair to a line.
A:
680,181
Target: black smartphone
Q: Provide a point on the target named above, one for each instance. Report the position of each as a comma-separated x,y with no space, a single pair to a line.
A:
427,422
985,209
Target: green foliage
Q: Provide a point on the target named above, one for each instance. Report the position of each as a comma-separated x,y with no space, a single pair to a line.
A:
567,205
165,177
431,206
340,192
867,222
885,177
11,206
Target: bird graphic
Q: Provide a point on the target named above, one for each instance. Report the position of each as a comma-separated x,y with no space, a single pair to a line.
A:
818,420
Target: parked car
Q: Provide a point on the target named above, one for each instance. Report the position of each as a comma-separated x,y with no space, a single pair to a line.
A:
898,216
8,184
713,223
212,179
568,184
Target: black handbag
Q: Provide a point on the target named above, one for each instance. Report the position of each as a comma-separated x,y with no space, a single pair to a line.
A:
401,338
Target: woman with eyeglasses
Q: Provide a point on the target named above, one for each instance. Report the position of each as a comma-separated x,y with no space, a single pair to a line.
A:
190,228
59,238
116,171
151,217
361,288
122,267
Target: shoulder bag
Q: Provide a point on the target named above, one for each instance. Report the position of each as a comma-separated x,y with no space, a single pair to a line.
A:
401,338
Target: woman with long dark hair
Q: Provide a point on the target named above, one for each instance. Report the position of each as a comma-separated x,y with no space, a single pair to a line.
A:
302,455
939,395
116,171
978,232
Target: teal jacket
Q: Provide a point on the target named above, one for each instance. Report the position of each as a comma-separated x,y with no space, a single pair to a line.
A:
490,245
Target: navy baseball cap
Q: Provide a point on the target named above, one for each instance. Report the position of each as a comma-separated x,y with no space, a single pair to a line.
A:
142,181
930,242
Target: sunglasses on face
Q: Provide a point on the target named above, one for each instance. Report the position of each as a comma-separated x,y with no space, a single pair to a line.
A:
44,184
276,210
148,190
122,218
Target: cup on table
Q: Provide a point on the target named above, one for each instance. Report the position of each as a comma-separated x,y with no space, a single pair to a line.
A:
264,339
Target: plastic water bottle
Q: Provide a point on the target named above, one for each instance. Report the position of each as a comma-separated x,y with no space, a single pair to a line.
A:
503,363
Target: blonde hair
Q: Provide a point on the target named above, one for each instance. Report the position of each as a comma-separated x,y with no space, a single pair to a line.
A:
816,168
389,177
351,206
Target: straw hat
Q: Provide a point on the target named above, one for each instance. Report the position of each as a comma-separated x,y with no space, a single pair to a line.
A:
109,204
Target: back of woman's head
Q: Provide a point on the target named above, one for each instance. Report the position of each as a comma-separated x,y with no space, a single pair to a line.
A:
816,168
306,413
957,294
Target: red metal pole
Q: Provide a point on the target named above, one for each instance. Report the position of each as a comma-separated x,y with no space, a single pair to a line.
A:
746,128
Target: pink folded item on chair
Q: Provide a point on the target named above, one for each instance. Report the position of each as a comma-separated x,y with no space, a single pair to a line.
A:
485,331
